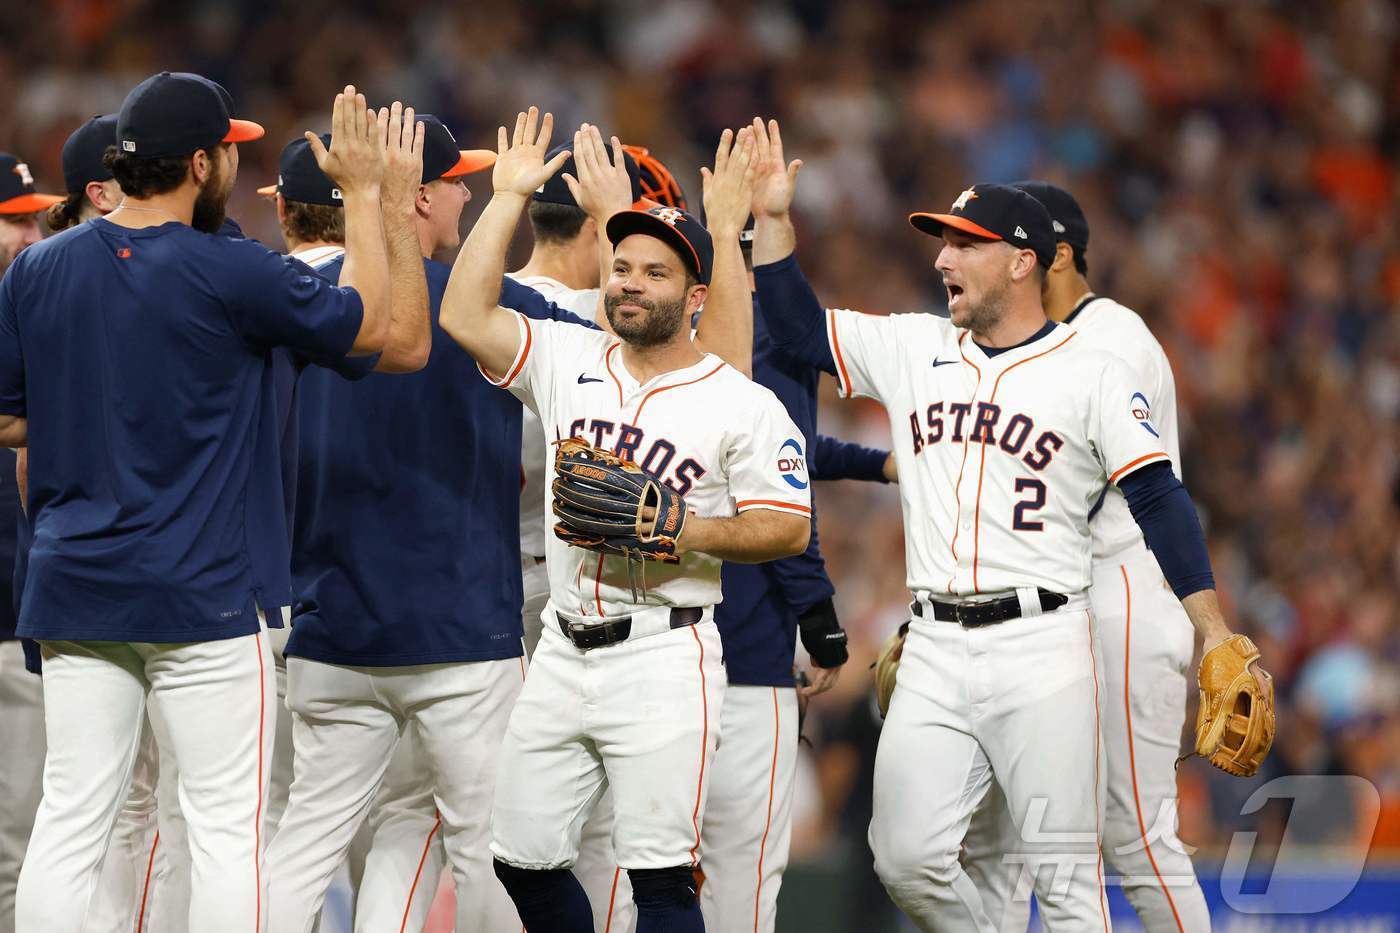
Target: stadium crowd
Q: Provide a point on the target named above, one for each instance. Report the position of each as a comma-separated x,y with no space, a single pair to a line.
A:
1238,163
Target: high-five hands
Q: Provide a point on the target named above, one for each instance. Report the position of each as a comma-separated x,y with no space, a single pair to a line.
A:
775,180
520,166
403,155
355,159
729,187
602,187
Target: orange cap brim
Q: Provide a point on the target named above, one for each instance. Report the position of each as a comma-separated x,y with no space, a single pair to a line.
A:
933,225
243,131
472,160
268,191
29,203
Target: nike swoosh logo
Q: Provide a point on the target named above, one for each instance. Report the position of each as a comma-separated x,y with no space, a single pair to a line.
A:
582,379
938,362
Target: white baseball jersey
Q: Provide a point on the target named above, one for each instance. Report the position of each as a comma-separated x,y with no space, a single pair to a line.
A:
723,442
1000,457
533,447
1106,324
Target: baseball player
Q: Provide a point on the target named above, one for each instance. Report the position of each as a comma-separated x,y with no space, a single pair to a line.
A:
21,695
1007,430
627,685
408,612
153,336
1143,637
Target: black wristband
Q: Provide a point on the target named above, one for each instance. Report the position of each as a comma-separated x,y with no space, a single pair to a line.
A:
822,635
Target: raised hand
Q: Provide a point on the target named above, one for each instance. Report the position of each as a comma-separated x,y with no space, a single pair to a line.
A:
403,155
602,188
775,180
355,159
520,165
728,188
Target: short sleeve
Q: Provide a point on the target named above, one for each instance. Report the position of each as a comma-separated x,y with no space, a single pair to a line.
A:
277,302
865,348
12,399
768,461
530,376
1120,422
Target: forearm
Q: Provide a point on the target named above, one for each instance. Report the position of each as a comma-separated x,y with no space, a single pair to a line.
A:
726,324
470,313
410,324
834,459
1203,609
774,238
366,268
22,477
751,537
795,319
14,431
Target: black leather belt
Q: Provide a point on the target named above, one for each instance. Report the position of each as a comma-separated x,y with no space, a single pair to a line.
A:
976,615
587,635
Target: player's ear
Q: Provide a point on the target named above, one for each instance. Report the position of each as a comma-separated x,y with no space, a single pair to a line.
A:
200,166
1022,265
695,297
423,203
1064,257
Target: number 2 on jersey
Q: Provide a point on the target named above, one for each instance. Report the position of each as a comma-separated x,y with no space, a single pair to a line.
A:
1031,503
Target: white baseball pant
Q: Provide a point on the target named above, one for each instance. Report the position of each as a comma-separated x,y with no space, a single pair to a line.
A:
119,902
216,698
21,769
1017,700
346,722
641,717
161,902
1145,643
397,856
748,817
608,887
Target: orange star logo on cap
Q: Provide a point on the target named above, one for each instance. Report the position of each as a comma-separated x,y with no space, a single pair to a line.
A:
963,198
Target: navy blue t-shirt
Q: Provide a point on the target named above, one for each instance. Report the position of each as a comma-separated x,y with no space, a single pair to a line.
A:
407,541
140,358
9,532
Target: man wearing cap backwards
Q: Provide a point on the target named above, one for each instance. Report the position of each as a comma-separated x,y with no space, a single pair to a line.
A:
408,616
1011,427
626,686
21,695
144,490
1143,637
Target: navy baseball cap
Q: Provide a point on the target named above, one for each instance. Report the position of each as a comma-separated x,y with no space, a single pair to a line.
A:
442,158
657,182
83,152
1066,217
996,212
299,178
17,194
174,113
674,227
556,190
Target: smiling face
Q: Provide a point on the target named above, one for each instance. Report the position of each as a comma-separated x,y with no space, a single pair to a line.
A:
650,296
979,274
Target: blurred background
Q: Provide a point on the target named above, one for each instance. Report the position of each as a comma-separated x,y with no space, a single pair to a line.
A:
1238,164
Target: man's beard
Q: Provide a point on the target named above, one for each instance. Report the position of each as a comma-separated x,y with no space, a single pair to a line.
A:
990,310
211,202
660,323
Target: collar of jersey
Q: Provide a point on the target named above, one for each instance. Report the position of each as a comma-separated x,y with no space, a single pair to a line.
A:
612,360
319,254
1041,340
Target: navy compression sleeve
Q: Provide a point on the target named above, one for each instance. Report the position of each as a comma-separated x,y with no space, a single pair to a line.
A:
796,319
1163,510
837,459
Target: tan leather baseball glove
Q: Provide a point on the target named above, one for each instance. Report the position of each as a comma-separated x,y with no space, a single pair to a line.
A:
1235,724
887,665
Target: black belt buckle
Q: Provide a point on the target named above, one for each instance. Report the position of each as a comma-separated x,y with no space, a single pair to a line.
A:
589,635
976,615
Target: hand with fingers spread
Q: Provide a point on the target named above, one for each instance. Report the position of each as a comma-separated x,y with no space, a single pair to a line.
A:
603,187
728,188
355,159
775,180
520,166
403,157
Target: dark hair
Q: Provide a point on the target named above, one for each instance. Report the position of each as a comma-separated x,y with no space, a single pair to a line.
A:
555,223
308,223
1081,265
66,213
143,178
